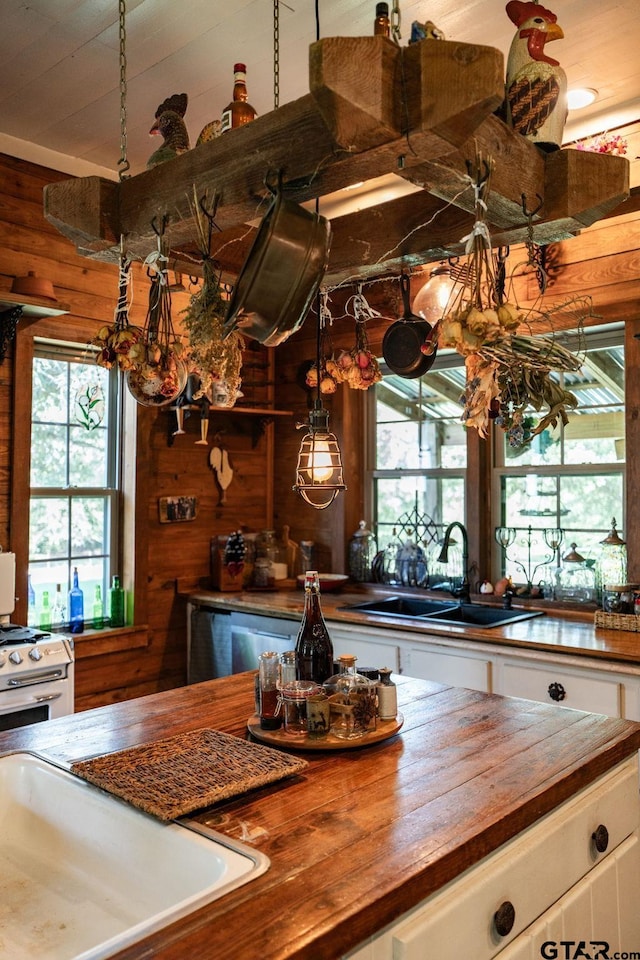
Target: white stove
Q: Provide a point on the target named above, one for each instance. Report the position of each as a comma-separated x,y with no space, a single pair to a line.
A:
36,674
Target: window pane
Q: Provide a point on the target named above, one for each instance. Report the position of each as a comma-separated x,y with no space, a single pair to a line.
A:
49,528
435,501
89,526
50,391
48,455
88,460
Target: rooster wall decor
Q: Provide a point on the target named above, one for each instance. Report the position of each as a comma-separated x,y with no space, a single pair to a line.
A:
536,87
170,125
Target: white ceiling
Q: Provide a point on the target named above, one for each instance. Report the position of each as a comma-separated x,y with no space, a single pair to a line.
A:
59,85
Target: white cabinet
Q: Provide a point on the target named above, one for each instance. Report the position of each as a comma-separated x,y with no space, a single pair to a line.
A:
556,883
371,648
551,683
454,667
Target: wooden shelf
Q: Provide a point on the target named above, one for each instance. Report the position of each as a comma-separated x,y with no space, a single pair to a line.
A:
14,306
355,125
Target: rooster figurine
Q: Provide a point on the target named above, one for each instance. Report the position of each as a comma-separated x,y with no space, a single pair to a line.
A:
170,125
536,88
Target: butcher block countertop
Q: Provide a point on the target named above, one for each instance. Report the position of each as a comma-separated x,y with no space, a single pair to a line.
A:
567,632
362,835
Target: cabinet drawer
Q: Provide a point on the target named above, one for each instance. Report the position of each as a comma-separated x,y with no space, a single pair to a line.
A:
453,668
549,684
531,872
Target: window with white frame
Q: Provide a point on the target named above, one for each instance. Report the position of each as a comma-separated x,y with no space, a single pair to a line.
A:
570,478
419,460
74,476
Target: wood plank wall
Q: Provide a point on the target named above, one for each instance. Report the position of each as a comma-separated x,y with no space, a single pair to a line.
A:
170,558
173,558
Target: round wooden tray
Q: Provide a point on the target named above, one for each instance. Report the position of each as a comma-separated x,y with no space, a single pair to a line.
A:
278,738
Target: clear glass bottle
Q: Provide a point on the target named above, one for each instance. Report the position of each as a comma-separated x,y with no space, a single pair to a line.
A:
116,603
314,649
362,550
58,610
239,111
381,24
353,701
76,605
98,609
575,579
45,612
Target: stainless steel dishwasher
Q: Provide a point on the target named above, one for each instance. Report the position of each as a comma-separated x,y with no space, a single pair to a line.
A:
220,643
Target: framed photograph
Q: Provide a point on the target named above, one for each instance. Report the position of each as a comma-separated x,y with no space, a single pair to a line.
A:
177,509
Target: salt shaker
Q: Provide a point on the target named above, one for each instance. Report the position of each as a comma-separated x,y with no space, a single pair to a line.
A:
387,695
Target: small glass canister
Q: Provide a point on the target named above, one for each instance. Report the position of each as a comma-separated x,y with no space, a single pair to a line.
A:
354,702
362,550
318,715
287,667
293,704
269,677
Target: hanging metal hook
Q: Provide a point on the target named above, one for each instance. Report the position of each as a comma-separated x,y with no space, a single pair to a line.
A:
531,213
210,214
159,231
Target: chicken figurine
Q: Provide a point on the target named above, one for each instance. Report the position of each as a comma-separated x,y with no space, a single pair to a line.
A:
536,87
170,125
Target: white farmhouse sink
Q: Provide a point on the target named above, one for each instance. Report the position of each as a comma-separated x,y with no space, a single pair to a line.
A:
84,874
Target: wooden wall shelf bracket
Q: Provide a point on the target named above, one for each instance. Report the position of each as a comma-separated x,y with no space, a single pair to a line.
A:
14,307
418,112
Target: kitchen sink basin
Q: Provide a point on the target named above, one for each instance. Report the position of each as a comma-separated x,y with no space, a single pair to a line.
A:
404,607
443,611
84,874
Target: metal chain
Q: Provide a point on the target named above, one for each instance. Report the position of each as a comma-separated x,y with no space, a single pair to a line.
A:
395,21
276,54
123,163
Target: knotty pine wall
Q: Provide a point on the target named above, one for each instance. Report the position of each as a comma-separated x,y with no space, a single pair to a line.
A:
170,558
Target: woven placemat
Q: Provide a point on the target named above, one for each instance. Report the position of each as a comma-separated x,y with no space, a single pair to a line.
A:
177,775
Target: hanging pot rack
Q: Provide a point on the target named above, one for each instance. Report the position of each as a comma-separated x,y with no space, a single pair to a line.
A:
419,112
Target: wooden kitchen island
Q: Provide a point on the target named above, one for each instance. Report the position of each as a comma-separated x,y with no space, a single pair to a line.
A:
364,835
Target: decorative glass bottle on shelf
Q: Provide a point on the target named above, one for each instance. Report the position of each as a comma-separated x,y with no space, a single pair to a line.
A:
98,609
612,564
45,612
353,701
116,603
32,613
362,550
58,611
381,24
314,649
76,605
239,111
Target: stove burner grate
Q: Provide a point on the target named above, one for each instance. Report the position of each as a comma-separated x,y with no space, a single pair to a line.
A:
14,633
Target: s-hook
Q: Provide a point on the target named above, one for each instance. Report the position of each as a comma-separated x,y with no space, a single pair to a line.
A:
537,254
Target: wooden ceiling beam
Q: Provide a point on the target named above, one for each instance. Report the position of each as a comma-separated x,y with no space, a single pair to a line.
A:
423,111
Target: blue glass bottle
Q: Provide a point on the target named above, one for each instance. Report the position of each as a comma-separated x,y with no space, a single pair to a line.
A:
76,605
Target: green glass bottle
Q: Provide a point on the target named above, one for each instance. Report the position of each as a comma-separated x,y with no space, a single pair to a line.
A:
98,609
116,603
45,612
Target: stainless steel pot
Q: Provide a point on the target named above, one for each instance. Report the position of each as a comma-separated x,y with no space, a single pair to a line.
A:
403,342
281,274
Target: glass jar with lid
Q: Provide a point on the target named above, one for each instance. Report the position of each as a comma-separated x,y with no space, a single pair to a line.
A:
353,700
576,579
362,550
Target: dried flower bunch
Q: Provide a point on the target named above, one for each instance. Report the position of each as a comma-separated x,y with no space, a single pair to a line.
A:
507,373
605,143
357,367
117,339
213,358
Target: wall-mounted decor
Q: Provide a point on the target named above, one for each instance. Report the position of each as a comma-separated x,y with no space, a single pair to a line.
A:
177,509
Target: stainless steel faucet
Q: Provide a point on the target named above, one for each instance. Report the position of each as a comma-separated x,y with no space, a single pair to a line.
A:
464,591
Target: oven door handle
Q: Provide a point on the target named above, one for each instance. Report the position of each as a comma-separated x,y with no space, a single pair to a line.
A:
31,681
45,699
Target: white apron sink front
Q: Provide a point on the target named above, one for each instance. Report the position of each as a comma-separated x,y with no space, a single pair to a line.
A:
84,874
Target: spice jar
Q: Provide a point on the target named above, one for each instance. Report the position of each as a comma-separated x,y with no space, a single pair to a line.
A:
353,701
293,705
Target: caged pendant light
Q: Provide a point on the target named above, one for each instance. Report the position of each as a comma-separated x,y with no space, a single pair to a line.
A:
319,477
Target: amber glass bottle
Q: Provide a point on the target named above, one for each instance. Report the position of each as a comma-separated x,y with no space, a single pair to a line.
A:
381,24
314,650
238,111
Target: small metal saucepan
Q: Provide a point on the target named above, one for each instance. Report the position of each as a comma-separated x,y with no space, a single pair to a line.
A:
409,346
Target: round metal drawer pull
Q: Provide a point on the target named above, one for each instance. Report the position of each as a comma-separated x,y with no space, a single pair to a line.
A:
600,837
557,692
504,918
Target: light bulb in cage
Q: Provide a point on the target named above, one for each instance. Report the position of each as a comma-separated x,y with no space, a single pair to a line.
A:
319,477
